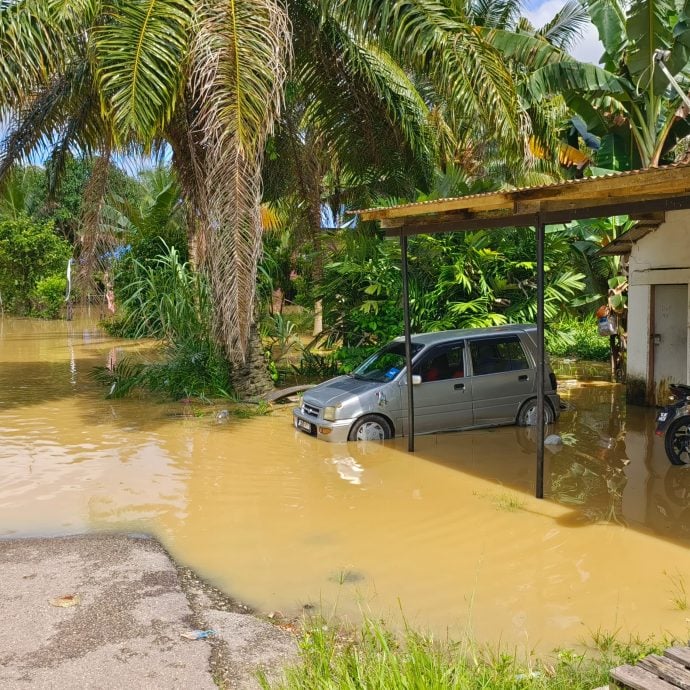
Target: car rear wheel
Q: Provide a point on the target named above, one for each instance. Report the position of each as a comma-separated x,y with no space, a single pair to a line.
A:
371,427
528,413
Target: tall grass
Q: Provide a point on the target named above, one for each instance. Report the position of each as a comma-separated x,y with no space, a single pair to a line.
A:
376,659
170,302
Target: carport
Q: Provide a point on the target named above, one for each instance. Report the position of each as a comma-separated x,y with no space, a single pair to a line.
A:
644,195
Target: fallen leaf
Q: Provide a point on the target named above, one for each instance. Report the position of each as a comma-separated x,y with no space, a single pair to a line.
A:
66,600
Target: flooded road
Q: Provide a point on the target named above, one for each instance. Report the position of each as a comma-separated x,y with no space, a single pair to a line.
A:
451,535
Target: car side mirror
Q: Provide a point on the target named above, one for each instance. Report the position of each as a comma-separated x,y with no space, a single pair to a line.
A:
416,379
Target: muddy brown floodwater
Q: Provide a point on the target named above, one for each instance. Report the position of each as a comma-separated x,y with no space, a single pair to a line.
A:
451,535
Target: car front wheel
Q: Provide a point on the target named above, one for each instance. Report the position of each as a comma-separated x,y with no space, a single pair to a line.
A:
371,427
528,413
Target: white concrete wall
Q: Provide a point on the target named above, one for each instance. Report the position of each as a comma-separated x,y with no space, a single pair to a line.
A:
660,258
639,304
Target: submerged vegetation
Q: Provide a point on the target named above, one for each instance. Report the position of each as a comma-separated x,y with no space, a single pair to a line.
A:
375,658
168,301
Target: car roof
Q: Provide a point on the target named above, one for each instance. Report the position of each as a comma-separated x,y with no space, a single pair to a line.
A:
444,336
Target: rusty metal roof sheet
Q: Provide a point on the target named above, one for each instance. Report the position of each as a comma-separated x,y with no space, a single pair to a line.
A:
514,193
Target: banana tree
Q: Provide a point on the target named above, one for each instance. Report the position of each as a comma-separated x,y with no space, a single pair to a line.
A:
628,100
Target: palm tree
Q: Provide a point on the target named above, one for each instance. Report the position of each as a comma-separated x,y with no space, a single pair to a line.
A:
114,75
465,78
354,123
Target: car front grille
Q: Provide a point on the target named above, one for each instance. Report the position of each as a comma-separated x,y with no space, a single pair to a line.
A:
310,410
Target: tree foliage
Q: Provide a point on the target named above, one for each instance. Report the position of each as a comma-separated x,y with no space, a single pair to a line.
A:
29,251
462,280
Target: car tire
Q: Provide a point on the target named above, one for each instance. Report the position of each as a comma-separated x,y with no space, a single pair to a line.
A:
371,427
527,416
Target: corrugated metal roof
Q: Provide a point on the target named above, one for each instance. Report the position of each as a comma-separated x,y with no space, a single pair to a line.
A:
518,191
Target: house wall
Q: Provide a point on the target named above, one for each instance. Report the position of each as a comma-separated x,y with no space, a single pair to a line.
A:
660,258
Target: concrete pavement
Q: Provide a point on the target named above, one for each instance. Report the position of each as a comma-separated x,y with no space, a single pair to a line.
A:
125,631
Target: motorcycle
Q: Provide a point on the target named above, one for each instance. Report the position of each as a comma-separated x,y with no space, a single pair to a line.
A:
673,423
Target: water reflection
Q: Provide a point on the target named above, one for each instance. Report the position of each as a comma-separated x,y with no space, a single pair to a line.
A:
348,469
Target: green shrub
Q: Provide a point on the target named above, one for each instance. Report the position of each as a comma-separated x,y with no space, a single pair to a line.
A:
350,358
315,366
577,338
170,302
49,296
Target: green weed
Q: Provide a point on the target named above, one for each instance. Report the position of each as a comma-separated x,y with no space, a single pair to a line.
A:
678,591
171,302
509,502
374,658
504,501
577,337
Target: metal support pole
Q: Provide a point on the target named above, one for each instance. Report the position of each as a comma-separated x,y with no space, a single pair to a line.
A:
408,344
541,365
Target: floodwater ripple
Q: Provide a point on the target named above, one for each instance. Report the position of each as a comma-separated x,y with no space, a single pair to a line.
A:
452,534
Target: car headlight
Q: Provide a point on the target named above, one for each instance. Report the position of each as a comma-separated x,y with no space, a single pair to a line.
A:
329,413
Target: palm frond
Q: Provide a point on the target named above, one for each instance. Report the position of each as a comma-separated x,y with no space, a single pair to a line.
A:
527,49
467,72
494,13
32,122
566,26
139,50
37,42
355,92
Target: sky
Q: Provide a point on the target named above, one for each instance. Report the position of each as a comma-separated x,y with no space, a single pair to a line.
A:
587,48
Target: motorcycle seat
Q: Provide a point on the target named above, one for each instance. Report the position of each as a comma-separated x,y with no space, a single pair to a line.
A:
680,390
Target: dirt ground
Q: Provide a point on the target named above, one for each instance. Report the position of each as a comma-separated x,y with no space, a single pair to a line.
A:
111,611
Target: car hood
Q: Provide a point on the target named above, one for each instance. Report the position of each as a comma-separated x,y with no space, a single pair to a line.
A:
338,390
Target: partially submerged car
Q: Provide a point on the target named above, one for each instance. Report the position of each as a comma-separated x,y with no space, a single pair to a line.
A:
463,379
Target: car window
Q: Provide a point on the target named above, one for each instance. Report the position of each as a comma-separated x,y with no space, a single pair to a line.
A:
442,363
385,364
495,355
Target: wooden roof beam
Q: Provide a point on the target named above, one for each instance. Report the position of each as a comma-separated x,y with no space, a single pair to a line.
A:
419,225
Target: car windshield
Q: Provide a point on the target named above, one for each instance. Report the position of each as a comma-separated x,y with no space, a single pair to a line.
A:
385,364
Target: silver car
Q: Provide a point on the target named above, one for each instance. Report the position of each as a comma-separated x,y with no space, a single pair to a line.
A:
463,379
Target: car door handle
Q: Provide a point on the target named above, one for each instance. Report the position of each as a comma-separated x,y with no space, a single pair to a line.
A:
523,377
459,386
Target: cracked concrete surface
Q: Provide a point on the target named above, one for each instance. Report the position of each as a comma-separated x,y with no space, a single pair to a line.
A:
126,629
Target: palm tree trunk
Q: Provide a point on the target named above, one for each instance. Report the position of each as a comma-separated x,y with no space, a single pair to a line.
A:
314,190
251,379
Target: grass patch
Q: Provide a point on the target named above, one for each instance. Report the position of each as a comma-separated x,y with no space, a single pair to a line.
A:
509,502
505,501
678,591
374,658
